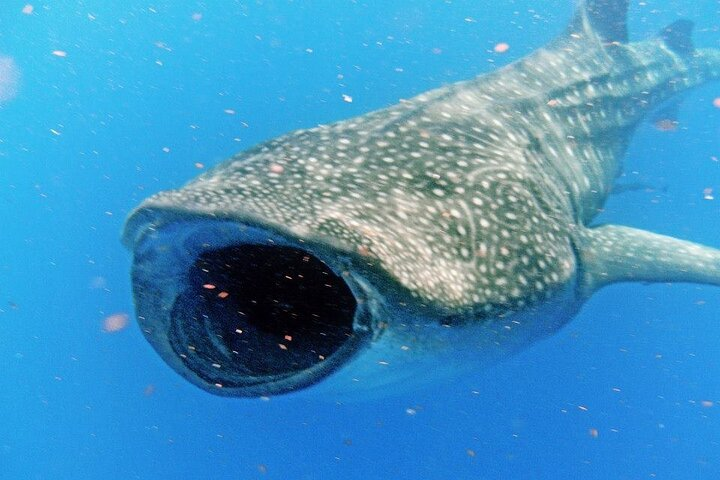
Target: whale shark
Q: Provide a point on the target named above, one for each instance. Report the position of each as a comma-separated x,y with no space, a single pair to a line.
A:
422,241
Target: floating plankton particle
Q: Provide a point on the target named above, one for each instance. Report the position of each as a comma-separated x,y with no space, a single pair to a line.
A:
115,322
501,47
666,125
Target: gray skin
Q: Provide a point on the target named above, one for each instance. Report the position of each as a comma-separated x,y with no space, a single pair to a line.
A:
420,241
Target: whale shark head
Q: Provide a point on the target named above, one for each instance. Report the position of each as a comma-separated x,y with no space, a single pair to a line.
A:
288,262
420,240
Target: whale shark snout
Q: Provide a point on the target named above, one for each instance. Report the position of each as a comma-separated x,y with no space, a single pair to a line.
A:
246,311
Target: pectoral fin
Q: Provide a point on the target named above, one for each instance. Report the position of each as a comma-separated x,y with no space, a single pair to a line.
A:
612,253
625,187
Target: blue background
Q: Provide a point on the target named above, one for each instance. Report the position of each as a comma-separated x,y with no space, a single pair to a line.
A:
139,76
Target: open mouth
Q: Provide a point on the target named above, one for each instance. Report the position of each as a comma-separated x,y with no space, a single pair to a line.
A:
268,310
247,315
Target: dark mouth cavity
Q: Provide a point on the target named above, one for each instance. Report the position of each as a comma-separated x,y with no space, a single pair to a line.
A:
259,311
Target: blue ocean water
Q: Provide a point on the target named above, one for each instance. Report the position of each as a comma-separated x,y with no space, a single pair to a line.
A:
118,100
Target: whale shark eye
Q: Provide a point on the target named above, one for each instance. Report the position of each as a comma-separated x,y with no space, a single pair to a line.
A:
274,310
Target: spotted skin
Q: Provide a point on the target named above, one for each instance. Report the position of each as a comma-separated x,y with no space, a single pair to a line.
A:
470,201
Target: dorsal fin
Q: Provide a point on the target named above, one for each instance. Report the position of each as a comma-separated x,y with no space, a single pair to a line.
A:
678,37
606,18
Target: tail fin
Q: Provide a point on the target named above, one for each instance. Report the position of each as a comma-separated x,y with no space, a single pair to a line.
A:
605,18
